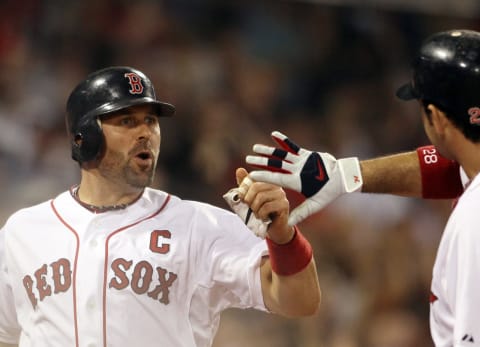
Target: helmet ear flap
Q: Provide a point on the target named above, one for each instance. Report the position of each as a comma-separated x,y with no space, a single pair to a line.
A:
87,141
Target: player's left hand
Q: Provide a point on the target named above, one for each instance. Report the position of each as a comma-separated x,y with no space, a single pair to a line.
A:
268,203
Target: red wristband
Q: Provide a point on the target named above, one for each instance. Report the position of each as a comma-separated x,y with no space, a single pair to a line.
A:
440,176
292,257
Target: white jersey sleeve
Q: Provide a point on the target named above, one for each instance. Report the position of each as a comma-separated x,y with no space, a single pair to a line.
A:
229,256
9,327
455,297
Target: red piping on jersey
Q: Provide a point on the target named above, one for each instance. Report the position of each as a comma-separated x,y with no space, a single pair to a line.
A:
74,281
105,269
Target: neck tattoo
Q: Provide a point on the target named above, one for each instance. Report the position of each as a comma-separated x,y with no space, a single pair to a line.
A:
99,209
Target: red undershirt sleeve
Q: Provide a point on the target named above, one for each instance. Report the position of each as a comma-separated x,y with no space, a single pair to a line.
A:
440,176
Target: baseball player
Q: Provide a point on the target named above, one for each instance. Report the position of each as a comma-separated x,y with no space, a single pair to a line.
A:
446,83
112,262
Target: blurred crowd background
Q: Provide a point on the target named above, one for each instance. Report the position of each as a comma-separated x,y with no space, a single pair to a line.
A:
324,73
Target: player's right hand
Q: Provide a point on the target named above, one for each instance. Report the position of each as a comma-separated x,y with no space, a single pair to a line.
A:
319,177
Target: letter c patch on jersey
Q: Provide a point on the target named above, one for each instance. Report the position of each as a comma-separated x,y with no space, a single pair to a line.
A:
157,243
135,82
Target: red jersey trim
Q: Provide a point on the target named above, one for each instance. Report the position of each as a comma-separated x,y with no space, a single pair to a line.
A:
74,280
105,268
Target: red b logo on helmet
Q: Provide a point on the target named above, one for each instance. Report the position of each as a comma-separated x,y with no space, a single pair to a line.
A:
135,81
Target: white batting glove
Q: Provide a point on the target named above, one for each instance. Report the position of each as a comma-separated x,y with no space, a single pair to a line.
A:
257,226
319,177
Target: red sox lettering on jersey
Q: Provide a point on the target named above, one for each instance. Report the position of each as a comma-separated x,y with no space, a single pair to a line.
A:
141,279
39,286
142,276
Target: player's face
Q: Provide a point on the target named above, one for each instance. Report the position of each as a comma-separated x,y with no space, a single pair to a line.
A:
132,145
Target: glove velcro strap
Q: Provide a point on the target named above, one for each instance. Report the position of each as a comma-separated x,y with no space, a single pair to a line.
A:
351,174
292,257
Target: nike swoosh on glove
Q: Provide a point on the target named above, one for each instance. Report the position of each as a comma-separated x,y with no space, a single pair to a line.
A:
318,176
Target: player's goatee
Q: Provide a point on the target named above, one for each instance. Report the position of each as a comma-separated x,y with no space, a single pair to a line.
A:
142,178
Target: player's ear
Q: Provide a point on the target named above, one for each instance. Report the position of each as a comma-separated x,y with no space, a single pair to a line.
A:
440,120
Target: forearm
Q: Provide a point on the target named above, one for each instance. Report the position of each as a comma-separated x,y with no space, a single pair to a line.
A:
295,295
7,345
397,174
290,282
423,173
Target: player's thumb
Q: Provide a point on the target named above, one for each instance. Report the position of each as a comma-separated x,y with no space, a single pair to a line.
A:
293,219
299,213
240,174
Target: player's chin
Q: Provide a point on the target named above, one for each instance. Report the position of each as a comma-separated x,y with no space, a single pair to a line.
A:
141,182
140,178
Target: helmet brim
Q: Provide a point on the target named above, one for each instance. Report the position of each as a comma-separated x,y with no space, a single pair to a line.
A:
161,109
407,92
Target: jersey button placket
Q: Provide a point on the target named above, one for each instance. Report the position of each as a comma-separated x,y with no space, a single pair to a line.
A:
91,304
90,284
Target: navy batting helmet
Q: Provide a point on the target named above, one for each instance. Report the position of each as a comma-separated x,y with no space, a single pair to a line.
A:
105,91
446,73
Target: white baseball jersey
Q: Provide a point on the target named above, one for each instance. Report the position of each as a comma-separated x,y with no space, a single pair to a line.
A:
157,273
455,296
